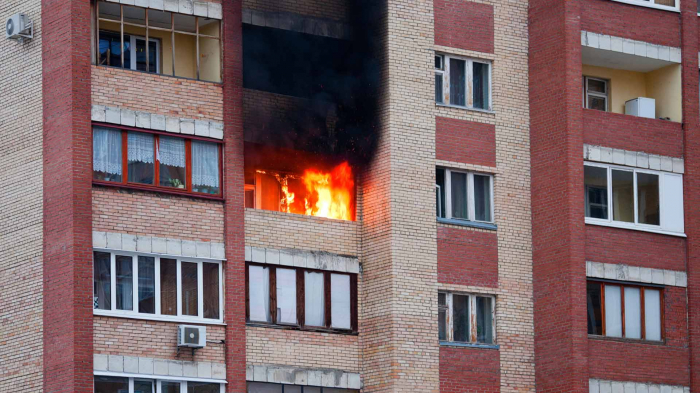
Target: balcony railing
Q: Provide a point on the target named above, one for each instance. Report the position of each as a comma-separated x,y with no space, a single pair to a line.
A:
670,5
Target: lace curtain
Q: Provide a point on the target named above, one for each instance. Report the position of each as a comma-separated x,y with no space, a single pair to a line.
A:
140,147
171,151
205,164
107,151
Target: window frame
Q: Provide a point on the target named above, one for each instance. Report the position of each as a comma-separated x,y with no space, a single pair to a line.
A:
605,95
469,88
642,311
158,380
441,71
157,315
188,190
473,334
146,26
471,203
651,4
300,303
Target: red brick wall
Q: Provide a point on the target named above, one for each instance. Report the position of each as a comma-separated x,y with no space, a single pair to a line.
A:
632,133
467,257
464,25
631,21
465,141
635,248
466,370
67,148
640,361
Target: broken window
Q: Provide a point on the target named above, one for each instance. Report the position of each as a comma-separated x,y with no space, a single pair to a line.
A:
158,42
464,195
466,318
462,82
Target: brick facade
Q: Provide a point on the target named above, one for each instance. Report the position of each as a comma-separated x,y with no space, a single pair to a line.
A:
467,257
469,370
464,24
465,141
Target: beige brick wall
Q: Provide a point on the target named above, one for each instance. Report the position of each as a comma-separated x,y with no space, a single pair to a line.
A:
330,9
21,200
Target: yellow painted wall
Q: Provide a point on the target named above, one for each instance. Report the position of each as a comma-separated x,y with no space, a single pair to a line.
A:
624,85
664,85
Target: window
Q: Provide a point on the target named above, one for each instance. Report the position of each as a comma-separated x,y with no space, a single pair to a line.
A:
661,4
596,93
158,42
105,384
257,387
309,299
158,161
457,313
625,311
464,195
632,198
157,287
462,82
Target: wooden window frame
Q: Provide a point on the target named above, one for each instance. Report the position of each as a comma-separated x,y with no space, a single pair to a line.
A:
188,190
473,333
300,291
468,77
471,201
642,311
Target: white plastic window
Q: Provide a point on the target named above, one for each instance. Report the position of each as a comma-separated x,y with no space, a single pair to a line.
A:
463,82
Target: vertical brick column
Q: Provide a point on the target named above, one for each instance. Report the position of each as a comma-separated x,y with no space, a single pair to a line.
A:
233,192
67,150
559,269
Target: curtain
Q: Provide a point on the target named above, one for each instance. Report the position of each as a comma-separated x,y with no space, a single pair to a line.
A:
147,285
103,283
259,287
210,277
287,296
314,299
652,314
140,147
171,151
633,314
340,301
107,150
205,164
613,311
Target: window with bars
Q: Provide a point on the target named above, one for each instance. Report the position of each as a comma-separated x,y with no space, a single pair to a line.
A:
466,318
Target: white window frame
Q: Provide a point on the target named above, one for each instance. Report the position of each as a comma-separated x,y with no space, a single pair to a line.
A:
651,4
635,225
183,382
468,78
605,95
132,49
441,71
449,325
157,316
471,206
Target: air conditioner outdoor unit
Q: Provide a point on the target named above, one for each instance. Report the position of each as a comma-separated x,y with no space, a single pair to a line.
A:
191,336
19,27
642,107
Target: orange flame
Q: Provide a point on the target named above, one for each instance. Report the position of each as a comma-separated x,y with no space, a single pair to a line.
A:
330,193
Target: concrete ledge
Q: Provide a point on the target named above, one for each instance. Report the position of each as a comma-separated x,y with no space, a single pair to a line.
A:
158,367
158,245
188,7
327,378
630,47
602,386
306,259
298,23
127,117
638,274
633,158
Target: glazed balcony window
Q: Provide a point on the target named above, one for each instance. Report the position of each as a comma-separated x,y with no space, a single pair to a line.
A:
158,42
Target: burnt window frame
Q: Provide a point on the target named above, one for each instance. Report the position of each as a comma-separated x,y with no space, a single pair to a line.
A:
449,315
156,187
300,303
642,311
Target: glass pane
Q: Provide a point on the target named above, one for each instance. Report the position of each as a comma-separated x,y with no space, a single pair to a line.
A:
153,53
438,62
171,157
144,386
648,198
102,281
168,286
440,192
596,191
259,293
169,387
210,273
125,283
110,47
623,195
481,85
459,195
652,314
593,298
287,296
135,15
442,324
203,387
484,320
140,152
596,86
185,54
161,19
190,303
147,285
111,385
110,11
438,89
106,154
482,198
340,301
633,314
458,85
297,389
209,59
256,387
613,311
314,302
597,103
460,319
205,167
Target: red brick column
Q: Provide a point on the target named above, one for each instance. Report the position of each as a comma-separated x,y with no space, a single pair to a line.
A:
67,150
559,271
233,192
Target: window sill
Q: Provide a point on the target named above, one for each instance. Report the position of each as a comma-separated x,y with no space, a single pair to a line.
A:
303,329
157,190
594,221
144,317
625,340
641,4
157,74
469,345
472,224
466,108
